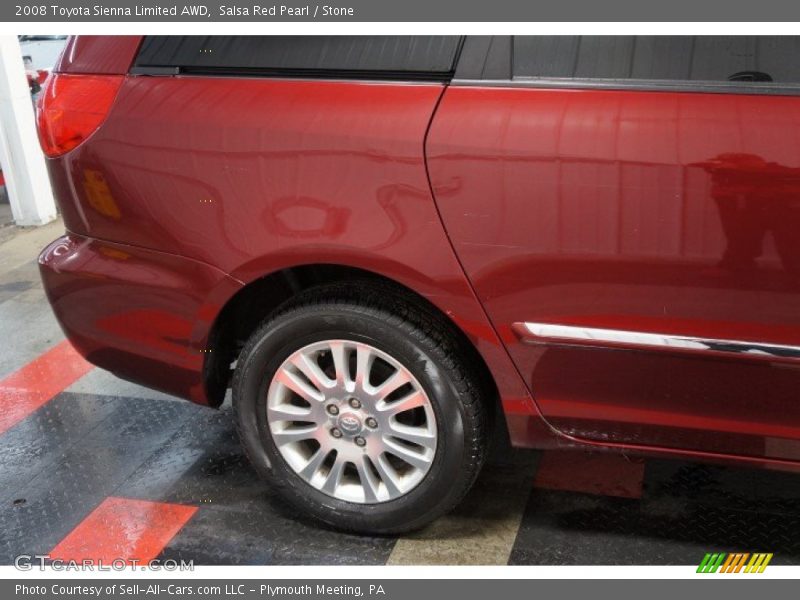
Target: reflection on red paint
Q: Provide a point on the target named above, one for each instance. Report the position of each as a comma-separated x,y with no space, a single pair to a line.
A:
154,327
25,390
120,528
98,54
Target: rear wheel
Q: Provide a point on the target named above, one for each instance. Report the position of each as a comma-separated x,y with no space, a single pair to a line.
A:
361,409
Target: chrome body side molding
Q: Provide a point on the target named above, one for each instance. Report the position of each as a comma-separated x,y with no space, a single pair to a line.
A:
549,333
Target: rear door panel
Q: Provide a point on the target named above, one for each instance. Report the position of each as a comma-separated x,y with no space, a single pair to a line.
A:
634,211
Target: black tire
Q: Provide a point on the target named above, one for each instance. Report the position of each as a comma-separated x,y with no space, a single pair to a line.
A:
417,337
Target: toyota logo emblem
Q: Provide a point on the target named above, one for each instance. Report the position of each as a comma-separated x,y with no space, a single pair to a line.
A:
349,423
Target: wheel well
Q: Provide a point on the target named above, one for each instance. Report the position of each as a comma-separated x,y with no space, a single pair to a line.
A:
257,300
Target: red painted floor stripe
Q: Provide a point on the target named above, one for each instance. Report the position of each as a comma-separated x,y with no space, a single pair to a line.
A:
595,473
131,530
25,390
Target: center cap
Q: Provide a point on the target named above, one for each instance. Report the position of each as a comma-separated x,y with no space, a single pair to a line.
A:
349,424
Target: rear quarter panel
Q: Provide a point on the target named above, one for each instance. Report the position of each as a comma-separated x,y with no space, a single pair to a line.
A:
250,176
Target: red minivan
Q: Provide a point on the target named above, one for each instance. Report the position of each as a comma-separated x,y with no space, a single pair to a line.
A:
385,245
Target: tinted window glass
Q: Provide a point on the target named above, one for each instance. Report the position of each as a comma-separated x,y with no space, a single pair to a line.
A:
345,54
698,58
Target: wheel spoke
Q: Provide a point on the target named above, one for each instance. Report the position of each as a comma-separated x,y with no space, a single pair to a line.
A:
416,435
309,367
298,386
314,463
288,412
414,400
334,476
393,383
291,435
364,360
415,459
368,481
340,363
388,475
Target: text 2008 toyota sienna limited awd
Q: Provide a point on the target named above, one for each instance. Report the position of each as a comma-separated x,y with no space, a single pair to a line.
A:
383,243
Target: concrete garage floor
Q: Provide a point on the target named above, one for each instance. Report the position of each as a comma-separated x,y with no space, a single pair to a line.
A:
6,220
92,466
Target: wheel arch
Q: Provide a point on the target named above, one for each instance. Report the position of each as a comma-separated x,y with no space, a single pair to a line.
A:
259,297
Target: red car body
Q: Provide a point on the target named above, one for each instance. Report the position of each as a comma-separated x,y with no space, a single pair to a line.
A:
654,230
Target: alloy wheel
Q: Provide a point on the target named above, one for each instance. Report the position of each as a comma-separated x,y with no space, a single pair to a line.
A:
352,421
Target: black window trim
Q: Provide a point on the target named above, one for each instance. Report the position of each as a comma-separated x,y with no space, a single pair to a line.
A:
643,85
305,74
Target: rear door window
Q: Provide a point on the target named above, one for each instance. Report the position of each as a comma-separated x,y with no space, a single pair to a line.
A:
425,57
660,58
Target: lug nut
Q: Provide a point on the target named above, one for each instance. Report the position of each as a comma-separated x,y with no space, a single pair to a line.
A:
333,409
372,423
355,403
336,433
360,441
